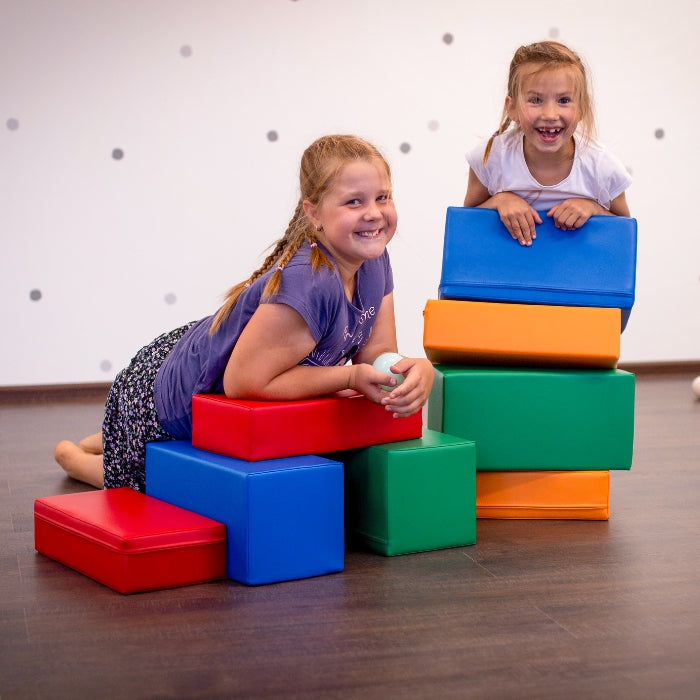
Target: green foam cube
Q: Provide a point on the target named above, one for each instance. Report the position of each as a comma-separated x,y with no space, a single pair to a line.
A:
412,496
537,419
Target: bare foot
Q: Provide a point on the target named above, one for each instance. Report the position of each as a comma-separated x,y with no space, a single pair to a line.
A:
79,464
92,444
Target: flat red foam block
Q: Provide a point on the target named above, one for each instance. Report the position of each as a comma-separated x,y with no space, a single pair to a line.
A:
256,430
129,541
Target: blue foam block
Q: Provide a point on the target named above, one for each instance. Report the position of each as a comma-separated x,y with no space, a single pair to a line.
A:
284,517
592,266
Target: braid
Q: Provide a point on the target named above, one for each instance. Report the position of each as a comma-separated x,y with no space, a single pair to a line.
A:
273,284
318,260
504,126
275,256
318,257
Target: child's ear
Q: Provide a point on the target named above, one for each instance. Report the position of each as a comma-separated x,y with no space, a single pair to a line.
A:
311,213
510,109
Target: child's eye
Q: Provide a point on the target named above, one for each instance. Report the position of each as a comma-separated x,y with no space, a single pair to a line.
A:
353,202
564,100
534,100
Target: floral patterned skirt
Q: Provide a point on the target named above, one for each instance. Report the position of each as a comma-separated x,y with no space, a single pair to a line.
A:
130,415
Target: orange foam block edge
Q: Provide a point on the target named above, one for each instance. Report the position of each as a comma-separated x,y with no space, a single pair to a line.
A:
475,332
258,430
538,495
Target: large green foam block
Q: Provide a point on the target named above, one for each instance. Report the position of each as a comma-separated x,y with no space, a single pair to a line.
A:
411,496
536,418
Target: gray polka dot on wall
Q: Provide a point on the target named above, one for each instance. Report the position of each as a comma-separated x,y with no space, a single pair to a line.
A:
185,51
272,136
659,133
447,38
117,154
35,294
170,298
105,365
405,147
433,125
12,124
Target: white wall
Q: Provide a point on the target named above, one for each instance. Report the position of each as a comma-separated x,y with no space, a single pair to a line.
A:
101,254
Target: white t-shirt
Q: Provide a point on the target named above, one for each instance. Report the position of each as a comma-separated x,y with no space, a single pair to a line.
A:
596,173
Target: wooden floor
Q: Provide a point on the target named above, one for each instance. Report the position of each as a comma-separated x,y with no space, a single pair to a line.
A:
536,609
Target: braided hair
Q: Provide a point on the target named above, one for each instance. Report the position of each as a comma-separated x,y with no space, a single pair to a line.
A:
320,164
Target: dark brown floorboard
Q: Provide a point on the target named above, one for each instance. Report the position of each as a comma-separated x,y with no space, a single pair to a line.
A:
536,609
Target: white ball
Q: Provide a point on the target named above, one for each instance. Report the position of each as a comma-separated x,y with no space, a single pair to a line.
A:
696,387
384,362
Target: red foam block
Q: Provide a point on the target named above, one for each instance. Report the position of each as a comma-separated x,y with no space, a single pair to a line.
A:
256,430
129,541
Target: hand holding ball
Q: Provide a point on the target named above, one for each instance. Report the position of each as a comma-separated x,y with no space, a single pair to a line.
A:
384,362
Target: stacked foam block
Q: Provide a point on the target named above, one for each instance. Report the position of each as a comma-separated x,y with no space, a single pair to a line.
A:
252,498
526,341
397,488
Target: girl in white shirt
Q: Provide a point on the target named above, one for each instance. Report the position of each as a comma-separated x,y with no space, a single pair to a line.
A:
543,159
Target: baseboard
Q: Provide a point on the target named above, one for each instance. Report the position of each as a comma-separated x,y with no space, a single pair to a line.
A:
689,368
50,393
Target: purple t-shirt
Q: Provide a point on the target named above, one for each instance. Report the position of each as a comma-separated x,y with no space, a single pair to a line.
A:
197,362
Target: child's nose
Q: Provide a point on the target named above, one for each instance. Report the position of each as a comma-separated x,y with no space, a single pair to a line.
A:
372,211
551,110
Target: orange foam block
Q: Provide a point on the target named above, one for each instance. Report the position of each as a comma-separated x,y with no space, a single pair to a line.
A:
535,495
479,332
257,430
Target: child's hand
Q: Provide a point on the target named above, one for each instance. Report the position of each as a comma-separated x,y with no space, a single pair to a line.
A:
406,398
573,213
517,216
412,394
368,381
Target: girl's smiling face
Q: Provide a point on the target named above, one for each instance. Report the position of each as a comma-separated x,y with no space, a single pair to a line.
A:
356,215
546,110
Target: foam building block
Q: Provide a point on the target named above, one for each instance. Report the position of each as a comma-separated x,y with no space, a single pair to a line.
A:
412,496
541,495
591,266
258,430
537,419
129,541
283,517
478,332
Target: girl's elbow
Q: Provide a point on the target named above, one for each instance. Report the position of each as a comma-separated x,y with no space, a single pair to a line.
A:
247,389
231,391
236,389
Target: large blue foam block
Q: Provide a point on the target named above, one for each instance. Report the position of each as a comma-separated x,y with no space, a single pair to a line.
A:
591,266
284,517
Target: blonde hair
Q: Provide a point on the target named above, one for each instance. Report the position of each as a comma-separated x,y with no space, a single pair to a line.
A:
548,55
321,162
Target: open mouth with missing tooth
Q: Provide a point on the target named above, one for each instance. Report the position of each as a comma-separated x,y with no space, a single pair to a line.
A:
549,134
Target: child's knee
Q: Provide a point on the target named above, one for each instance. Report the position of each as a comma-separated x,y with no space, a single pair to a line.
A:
63,451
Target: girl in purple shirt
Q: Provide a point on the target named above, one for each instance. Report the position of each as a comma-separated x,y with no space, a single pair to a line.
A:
309,322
